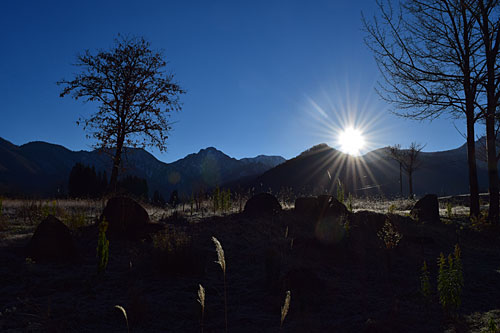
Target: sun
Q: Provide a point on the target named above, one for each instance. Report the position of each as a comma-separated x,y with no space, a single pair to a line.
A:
351,141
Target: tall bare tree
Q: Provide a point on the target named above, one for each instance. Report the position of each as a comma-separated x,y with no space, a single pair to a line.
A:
135,95
487,15
427,52
408,160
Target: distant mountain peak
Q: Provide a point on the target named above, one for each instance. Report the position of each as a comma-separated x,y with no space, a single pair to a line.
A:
209,149
316,149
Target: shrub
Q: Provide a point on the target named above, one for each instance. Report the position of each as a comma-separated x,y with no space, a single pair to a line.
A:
389,235
480,222
391,209
425,284
49,209
102,247
75,220
30,211
340,191
492,326
450,281
449,212
349,202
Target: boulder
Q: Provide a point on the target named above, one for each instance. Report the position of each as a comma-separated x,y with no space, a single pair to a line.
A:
262,204
52,242
126,218
320,206
323,203
333,208
426,209
307,206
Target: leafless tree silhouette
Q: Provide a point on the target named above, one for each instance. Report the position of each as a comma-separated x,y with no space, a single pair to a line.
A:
408,160
135,96
428,52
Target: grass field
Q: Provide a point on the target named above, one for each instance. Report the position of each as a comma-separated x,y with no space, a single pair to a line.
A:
350,283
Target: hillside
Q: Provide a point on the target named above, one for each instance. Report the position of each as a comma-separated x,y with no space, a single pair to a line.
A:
375,173
42,169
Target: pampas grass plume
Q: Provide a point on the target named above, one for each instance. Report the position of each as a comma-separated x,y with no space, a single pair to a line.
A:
220,254
124,314
285,307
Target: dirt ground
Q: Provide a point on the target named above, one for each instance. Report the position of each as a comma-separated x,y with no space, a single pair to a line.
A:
341,280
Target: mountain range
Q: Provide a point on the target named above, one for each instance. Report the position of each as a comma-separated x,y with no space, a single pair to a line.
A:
42,169
318,170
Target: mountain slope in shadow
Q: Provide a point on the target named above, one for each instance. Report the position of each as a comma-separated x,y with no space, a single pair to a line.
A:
318,170
42,169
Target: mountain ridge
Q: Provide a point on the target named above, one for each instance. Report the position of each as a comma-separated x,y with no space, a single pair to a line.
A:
42,168
318,169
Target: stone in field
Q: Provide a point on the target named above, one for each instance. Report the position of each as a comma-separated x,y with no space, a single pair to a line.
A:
426,209
126,218
262,204
52,242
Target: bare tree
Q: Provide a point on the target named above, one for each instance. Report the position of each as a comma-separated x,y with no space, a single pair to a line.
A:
487,15
427,52
134,93
408,160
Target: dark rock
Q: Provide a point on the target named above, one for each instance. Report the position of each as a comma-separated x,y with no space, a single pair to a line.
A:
126,218
262,204
52,242
323,203
426,209
307,206
363,229
334,208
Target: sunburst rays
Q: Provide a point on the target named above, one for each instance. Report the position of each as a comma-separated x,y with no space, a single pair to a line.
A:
329,114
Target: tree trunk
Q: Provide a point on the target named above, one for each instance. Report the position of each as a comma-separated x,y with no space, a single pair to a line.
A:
471,161
410,183
491,53
116,166
492,167
400,179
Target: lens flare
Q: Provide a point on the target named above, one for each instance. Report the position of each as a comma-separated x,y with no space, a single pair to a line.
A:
351,141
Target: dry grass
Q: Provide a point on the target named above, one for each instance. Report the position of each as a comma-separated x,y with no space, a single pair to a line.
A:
336,287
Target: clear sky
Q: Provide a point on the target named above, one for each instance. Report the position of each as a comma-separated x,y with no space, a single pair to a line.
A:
263,77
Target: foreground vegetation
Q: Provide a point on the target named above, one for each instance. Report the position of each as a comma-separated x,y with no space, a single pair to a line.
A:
269,273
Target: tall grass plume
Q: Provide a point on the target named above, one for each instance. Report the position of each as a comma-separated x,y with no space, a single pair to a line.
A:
285,307
222,263
124,314
201,300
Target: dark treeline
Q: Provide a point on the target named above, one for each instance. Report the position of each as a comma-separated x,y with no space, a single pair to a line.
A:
85,182
135,186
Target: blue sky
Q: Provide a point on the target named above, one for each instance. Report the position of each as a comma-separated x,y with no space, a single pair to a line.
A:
263,77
